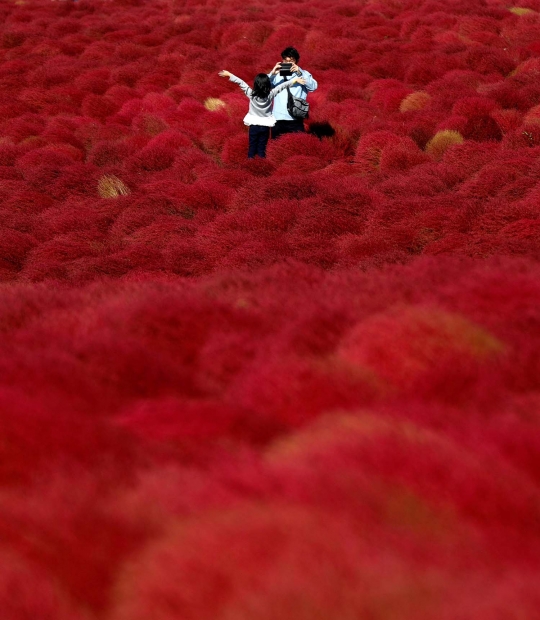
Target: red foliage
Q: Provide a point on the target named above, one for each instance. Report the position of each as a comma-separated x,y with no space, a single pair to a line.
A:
42,166
8,154
107,153
98,107
397,153
401,157
25,126
387,94
154,156
288,146
482,128
306,385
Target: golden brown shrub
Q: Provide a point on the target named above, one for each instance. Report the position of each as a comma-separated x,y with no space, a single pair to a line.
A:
214,104
518,10
442,140
415,101
110,186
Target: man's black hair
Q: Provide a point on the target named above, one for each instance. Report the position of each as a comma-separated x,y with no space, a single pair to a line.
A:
261,86
291,52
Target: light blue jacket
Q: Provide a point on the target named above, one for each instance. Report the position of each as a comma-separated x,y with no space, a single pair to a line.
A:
297,90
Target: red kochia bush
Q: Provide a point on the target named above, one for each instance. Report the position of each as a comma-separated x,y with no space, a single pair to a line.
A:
232,388
19,211
510,95
399,152
8,154
387,94
76,179
472,107
95,81
190,163
154,156
107,153
41,166
401,157
24,126
173,139
120,94
14,246
495,177
490,60
97,106
482,128
507,120
305,144
35,586
53,257
300,164
61,130
235,149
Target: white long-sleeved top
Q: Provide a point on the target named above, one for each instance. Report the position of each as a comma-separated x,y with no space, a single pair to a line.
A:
260,109
297,90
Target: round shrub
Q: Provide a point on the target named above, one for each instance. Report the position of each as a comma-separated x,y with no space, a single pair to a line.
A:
442,141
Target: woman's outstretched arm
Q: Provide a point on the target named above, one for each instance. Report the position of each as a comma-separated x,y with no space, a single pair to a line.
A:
247,90
280,87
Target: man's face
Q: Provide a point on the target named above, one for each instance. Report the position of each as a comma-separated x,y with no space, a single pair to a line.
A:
289,59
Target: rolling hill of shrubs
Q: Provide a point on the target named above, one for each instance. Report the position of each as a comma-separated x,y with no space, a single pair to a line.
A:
305,387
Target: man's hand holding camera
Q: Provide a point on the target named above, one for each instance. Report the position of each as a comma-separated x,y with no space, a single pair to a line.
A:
288,69
294,67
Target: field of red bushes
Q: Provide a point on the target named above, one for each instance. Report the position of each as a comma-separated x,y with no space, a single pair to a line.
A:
305,387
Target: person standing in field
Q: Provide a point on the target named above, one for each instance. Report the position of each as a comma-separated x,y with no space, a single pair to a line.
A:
285,123
259,117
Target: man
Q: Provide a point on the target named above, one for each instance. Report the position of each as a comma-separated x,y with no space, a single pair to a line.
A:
285,123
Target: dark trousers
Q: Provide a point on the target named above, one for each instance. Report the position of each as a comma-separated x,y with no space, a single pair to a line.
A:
258,139
281,127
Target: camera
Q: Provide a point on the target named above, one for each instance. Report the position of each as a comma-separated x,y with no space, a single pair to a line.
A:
285,68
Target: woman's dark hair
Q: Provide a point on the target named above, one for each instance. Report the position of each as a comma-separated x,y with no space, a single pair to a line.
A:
291,52
261,86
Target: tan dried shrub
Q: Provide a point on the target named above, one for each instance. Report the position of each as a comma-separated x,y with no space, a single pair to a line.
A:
519,10
214,104
415,101
442,141
110,186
